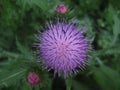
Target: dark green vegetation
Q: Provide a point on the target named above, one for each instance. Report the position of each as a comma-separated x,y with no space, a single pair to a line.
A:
20,20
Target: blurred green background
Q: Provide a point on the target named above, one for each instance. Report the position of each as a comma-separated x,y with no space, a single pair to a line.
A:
20,20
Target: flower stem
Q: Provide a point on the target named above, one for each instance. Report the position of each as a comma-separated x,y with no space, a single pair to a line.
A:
68,83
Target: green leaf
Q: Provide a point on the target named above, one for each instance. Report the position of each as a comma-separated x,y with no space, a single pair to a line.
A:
116,28
8,78
26,86
107,78
108,51
25,51
109,14
79,86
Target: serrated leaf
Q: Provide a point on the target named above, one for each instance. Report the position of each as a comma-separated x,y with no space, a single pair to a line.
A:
25,51
8,78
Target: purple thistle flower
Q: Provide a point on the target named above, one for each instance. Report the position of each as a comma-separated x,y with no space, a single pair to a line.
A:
63,47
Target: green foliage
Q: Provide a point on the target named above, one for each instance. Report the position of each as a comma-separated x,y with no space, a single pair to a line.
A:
77,86
107,78
116,27
20,20
8,78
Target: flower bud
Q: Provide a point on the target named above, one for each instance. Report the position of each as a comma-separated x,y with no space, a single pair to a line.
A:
33,78
61,8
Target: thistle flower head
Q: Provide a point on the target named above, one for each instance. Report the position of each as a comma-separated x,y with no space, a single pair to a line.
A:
62,47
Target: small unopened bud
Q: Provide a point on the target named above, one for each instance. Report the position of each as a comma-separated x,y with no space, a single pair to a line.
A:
61,8
33,78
